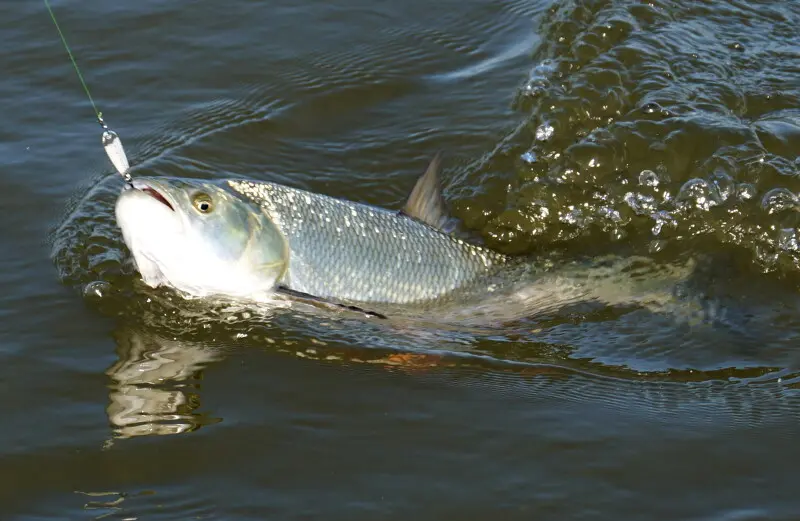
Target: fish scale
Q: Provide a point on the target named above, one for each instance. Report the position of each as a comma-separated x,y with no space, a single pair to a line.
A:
351,251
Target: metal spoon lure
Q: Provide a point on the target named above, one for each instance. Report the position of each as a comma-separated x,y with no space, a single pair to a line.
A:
116,153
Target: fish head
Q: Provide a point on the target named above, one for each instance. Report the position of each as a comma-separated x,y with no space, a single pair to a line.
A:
199,238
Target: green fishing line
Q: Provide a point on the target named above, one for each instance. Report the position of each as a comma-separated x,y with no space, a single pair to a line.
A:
74,64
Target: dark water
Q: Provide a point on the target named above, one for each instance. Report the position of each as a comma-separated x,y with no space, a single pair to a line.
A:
663,129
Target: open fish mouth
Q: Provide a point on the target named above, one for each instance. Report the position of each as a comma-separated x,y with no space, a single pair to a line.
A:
152,192
155,194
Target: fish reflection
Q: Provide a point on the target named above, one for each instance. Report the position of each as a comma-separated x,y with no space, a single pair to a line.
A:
155,384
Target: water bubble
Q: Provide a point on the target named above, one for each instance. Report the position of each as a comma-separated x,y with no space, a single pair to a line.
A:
535,88
544,132
543,69
543,212
698,193
617,234
529,157
654,109
787,240
570,217
651,108
766,255
610,214
657,245
723,183
746,191
648,178
575,217
96,289
663,218
533,218
539,78
640,203
778,200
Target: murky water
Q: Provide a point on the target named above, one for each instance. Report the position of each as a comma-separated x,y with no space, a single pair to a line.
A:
663,131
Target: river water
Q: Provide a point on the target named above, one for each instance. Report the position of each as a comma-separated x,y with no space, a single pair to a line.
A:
665,130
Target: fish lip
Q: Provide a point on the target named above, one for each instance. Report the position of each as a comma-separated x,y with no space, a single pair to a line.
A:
149,189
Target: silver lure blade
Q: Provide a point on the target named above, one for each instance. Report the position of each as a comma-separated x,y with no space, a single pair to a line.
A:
113,147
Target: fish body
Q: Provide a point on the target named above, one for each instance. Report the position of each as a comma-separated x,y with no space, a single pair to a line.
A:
355,252
246,239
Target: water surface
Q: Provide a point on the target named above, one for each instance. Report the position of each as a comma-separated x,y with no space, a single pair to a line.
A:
667,130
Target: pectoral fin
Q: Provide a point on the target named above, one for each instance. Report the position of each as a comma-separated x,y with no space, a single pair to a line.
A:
320,301
426,202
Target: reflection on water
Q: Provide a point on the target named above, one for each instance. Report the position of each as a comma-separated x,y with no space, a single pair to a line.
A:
155,385
665,129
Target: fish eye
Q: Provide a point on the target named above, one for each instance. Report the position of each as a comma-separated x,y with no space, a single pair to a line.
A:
202,203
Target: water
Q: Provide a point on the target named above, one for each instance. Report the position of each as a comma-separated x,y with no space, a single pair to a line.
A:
666,129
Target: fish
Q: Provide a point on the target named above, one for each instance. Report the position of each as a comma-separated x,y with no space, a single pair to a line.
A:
267,243
250,239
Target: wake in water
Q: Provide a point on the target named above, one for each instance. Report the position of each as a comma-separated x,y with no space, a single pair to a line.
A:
603,165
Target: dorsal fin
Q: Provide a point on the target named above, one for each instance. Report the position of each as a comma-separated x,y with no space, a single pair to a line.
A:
426,202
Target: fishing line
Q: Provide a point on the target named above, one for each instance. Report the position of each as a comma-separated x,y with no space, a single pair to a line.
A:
112,144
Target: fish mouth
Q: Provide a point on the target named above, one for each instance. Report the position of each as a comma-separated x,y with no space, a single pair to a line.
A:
157,196
152,192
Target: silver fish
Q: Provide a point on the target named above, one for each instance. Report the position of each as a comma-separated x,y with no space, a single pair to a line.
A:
262,242
246,239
